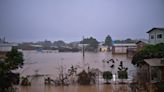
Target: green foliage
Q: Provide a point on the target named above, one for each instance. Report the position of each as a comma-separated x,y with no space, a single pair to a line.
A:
7,80
14,60
150,51
122,72
107,75
108,41
128,40
93,43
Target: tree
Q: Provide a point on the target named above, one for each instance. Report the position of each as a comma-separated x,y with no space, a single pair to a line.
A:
14,60
129,40
92,43
150,51
122,72
108,41
59,43
107,75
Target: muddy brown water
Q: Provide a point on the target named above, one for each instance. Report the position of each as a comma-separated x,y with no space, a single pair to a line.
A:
38,86
93,88
46,63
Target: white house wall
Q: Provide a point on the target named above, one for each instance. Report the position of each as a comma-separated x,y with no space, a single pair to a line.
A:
156,40
120,50
7,48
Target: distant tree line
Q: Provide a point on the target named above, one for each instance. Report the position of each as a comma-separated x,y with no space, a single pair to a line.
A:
73,46
128,40
93,43
48,45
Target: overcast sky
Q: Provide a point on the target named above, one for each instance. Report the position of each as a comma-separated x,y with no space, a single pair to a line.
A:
69,20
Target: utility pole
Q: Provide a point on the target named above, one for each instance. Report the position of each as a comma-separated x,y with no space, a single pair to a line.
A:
83,49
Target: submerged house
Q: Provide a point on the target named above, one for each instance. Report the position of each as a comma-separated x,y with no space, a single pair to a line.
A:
123,48
151,70
103,48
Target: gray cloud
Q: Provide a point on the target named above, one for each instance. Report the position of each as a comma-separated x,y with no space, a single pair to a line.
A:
69,20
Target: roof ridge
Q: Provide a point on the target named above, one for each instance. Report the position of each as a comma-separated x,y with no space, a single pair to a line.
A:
160,28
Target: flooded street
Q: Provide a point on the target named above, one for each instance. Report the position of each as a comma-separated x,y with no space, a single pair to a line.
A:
48,63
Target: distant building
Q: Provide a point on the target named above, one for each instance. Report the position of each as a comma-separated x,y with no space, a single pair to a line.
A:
156,35
103,48
38,48
141,44
6,47
123,48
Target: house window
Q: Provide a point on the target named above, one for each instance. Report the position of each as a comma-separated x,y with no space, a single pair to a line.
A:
152,36
159,36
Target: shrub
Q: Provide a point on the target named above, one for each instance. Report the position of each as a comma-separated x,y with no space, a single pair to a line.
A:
107,75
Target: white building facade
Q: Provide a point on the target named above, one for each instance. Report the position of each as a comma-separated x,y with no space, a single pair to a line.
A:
123,48
156,35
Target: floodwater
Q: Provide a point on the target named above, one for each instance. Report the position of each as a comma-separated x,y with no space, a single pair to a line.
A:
49,63
38,86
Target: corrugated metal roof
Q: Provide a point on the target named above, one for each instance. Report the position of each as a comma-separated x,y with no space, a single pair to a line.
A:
154,62
8,44
37,46
129,44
